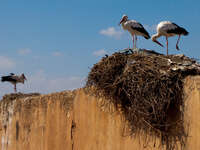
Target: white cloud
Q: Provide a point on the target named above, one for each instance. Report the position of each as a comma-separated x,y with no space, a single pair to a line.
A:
6,63
40,82
24,51
57,53
100,52
111,32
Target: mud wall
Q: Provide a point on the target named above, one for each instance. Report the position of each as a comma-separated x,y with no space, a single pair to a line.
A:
73,120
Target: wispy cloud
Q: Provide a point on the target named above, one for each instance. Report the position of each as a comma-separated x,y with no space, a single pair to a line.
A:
6,63
100,52
56,53
111,32
24,51
151,28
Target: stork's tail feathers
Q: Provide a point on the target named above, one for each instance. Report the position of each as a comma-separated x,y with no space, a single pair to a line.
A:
7,78
147,36
184,32
3,79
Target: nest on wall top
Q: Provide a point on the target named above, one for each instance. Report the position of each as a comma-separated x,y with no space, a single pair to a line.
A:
148,88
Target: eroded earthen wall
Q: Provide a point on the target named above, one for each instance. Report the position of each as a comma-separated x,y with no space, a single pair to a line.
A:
76,121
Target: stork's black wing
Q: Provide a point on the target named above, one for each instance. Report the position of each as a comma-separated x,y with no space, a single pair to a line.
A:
177,30
141,29
8,78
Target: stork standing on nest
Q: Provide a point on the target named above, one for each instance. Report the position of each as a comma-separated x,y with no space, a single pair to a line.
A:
14,79
135,28
168,29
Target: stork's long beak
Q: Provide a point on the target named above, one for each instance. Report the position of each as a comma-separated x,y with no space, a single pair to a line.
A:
158,43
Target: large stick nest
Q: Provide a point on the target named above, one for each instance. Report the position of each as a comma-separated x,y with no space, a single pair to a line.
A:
148,88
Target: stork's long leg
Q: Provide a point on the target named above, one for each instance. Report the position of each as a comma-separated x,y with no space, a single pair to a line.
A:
167,44
15,88
178,42
135,41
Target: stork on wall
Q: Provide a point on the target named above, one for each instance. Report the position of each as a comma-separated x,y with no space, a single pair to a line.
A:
14,79
167,29
134,28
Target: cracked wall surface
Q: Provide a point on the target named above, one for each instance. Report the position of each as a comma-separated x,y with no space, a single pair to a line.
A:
73,120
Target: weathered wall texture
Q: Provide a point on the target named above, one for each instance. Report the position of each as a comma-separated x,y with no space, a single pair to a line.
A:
49,122
192,90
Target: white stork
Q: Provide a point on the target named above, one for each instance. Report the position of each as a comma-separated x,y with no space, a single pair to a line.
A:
167,29
14,79
134,27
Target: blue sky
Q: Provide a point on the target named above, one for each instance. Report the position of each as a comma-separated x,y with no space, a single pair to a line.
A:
56,42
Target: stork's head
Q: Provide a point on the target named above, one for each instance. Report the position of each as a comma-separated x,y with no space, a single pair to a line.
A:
124,19
23,78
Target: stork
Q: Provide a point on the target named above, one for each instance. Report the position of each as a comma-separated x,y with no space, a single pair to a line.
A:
134,28
14,79
168,29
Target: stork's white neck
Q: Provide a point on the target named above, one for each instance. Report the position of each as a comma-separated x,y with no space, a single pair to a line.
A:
155,36
123,24
20,79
